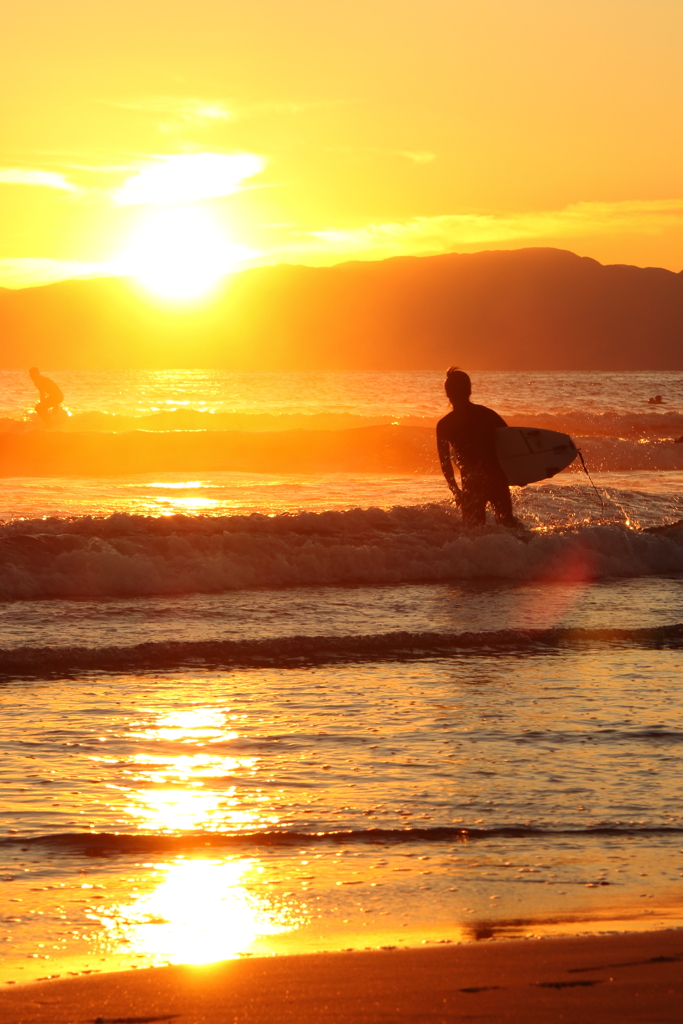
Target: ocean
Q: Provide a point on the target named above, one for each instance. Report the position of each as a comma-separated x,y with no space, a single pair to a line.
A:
262,693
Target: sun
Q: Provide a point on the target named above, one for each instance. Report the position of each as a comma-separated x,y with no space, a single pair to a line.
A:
179,253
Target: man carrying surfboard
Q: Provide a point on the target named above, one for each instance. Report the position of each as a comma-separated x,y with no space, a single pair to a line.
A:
469,433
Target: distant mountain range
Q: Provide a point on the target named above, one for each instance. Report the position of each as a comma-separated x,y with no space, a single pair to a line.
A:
526,309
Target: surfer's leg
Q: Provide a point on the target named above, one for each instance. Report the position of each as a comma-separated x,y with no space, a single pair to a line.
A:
501,500
44,412
473,506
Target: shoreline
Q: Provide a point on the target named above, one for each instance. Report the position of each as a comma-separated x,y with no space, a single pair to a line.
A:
626,977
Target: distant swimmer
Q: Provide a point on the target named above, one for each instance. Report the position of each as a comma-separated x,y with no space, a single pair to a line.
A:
657,400
469,431
51,396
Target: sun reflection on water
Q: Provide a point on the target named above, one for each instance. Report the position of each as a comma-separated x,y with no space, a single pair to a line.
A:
198,791
186,767
176,810
175,485
189,503
190,726
200,912
182,810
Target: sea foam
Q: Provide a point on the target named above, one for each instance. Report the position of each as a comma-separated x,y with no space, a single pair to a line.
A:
124,555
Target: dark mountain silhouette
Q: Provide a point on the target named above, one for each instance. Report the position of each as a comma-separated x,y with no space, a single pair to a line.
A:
526,309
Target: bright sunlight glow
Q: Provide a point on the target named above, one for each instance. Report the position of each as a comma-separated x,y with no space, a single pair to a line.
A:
200,912
179,253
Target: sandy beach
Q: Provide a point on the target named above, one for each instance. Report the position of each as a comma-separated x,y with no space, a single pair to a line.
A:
628,977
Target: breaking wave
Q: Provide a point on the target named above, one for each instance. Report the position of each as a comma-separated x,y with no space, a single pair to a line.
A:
127,555
388,448
608,423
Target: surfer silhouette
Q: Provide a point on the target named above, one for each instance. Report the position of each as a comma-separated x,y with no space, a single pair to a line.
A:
467,435
51,396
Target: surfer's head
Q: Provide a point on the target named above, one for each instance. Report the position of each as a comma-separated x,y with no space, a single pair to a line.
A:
457,384
34,372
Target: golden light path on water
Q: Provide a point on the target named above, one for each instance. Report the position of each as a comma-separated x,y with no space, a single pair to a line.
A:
188,503
176,793
177,759
193,725
201,909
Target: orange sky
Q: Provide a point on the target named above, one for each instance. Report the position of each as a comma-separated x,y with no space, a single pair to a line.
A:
323,131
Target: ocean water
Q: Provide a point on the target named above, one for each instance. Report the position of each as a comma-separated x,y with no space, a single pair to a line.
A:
255,704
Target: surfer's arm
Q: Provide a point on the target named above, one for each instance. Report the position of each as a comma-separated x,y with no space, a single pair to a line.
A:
444,450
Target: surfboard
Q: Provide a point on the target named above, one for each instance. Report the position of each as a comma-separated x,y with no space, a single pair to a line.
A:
528,454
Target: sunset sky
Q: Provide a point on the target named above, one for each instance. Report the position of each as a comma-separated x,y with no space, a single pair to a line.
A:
168,138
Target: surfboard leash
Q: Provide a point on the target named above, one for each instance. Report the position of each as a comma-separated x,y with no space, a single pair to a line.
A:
585,469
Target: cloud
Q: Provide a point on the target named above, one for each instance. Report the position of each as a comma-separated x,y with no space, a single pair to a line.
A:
421,235
188,177
416,156
268,108
419,156
29,271
180,112
187,109
42,179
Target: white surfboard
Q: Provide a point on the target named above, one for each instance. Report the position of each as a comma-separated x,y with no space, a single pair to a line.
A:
528,454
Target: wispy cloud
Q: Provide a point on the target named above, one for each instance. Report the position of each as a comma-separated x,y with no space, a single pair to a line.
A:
420,156
188,177
272,108
177,113
416,156
421,235
188,109
28,271
41,179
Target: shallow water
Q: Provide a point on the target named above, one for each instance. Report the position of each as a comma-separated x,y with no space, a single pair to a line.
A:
645,498
343,721
526,740
478,606
456,799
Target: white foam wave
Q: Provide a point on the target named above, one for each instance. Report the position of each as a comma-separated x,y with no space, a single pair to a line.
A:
130,555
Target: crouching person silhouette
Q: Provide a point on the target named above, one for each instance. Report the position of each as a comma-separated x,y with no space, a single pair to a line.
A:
51,396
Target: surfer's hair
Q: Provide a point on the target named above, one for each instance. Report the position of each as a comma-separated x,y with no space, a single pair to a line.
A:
457,384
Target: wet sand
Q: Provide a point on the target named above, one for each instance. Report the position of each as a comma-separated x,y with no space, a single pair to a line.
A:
633,977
